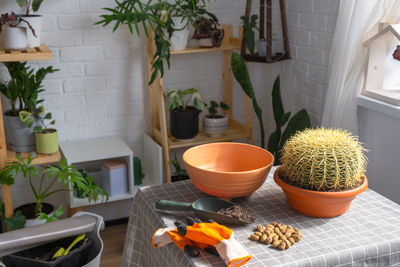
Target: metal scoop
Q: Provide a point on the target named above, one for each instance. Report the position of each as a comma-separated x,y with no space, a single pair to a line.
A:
205,208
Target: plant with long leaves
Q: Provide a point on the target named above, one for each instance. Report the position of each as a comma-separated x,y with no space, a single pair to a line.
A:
298,122
181,99
29,5
25,86
242,76
63,174
156,15
249,25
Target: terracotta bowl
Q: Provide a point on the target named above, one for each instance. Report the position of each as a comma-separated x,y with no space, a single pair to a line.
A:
319,204
228,170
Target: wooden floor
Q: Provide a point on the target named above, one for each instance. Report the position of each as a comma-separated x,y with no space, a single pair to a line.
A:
113,238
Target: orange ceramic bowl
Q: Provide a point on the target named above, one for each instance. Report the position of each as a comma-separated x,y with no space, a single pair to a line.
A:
228,170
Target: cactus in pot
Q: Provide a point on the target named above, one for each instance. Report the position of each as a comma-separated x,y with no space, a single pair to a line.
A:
322,171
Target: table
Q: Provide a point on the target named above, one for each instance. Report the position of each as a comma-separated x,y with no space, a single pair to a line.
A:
367,235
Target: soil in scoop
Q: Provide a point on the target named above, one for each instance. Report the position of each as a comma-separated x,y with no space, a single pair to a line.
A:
237,212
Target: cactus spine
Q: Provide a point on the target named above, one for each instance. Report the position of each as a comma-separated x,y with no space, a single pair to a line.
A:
323,160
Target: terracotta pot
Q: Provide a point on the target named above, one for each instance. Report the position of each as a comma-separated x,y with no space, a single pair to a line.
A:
228,170
319,204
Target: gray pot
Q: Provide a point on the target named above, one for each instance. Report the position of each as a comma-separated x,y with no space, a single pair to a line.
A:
261,48
19,137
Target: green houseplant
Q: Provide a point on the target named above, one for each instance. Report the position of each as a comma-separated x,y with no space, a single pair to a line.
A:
208,32
249,25
40,211
157,15
185,107
180,173
23,91
322,171
214,123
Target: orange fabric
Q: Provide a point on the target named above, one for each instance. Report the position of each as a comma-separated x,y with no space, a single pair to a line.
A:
208,233
239,261
179,240
152,239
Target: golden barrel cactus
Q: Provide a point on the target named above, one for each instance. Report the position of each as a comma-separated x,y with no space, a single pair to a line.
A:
323,160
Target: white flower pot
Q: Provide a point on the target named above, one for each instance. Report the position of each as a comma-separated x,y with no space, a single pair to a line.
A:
205,42
36,22
179,39
14,38
215,126
262,48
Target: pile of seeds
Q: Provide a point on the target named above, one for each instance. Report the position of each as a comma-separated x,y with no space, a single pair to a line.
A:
237,212
279,235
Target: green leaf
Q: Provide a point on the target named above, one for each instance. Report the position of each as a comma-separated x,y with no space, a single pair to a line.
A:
22,3
273,142
36,4
38,129
53,122
285,118
190,91
16,222
48,116
277,105
224,106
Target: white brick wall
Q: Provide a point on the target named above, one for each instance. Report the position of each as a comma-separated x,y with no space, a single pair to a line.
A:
100,89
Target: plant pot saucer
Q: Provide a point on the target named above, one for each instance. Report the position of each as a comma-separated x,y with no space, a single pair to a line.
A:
22,148
184,140
319,204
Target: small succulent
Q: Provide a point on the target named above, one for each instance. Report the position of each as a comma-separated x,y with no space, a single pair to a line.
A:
323,160
209,28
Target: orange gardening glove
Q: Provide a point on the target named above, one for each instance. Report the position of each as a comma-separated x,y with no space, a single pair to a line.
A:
219,236
164,236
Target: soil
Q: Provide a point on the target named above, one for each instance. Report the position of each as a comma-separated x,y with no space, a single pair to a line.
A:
177,178
29,211
188,109
237,212
215,117
47,131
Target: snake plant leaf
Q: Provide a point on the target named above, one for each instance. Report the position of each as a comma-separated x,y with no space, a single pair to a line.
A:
36,4
285,118
273,142
277,105
299,122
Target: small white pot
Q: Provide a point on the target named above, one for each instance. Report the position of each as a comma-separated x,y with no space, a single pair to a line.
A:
36,22
205,42
14,38
215,126
262,48
179,39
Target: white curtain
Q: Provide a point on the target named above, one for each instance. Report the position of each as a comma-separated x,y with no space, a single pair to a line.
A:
356,22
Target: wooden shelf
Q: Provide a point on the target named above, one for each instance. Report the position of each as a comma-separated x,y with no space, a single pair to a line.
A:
30,54
39,158
202,138
191,50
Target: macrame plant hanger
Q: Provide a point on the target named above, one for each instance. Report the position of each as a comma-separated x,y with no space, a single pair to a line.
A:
266,8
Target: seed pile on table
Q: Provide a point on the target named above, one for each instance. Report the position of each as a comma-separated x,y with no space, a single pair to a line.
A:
279,235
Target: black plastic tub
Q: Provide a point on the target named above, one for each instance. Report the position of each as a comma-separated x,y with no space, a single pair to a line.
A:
32,257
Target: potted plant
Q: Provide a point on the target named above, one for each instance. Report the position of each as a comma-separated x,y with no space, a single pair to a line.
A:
215,124
180,173
208,32
46,138
40,211
23,91
32,19
322,171
184,118
158,16
14,35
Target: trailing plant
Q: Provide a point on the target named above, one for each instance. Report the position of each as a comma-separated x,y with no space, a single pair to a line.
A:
13,20
249,26
298,122
213,108
63,174
156,15
181,99
323,160
28,119
30,5
209,28
25,86
241,75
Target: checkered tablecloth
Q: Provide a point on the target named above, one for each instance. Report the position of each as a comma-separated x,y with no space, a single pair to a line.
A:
367,235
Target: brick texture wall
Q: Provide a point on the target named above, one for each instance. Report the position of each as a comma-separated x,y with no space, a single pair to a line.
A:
100,89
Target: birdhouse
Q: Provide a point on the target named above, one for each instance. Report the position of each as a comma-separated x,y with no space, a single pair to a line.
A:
382,75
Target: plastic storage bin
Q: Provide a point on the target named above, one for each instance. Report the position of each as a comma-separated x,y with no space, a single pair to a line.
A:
115,176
